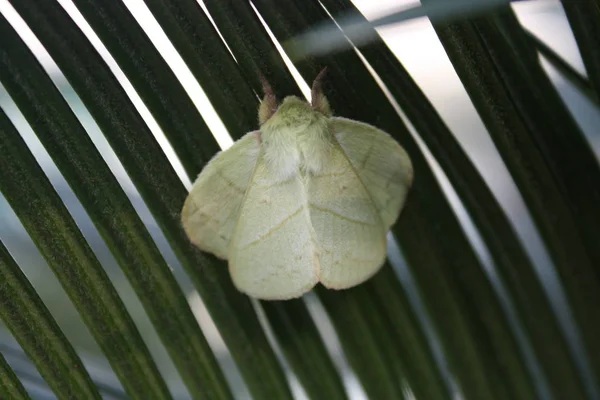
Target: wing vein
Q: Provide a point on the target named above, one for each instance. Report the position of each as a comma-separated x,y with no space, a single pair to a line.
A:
341,216
274,229
363,164
229,182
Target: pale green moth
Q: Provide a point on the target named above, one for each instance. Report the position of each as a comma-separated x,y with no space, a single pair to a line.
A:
307,198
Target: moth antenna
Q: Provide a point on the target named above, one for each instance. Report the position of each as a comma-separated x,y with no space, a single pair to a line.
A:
266,87
317,85
268,105
318,99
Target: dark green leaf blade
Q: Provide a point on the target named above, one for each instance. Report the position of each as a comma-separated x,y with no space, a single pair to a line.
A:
52,229
584,18
411,346
109,387
551,126
365,340
298,352
30,322
512,263
10,386
199,44
567,71
448,253
322,38
92,181
162,191
153,80
505,121
253,49
304,350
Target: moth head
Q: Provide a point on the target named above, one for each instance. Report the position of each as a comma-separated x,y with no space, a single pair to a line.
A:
269,105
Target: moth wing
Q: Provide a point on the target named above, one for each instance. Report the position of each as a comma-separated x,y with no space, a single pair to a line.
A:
349,230
382,164
273,253
211,209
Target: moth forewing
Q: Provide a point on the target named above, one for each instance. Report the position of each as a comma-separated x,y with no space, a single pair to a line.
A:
347,224
210,211
273,252
383,166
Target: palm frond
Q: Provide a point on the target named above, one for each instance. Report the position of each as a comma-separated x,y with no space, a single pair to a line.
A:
480,321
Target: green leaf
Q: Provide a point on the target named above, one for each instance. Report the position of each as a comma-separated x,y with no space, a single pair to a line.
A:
35,384
410,343
162,191
300,351
153,80
322,39
303,349
567,71
365,340
254,51
515,269
132,50
530,128
30,322
115,218
448,257
200,46
584,18
549,122
52,229
381,337
10,385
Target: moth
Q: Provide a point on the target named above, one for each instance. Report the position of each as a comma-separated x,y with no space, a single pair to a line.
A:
306,199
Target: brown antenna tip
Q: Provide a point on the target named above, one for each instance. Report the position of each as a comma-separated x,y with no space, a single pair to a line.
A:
266,87
318,82
318,99
268,106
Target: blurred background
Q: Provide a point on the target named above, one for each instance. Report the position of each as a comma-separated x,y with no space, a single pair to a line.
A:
415,44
